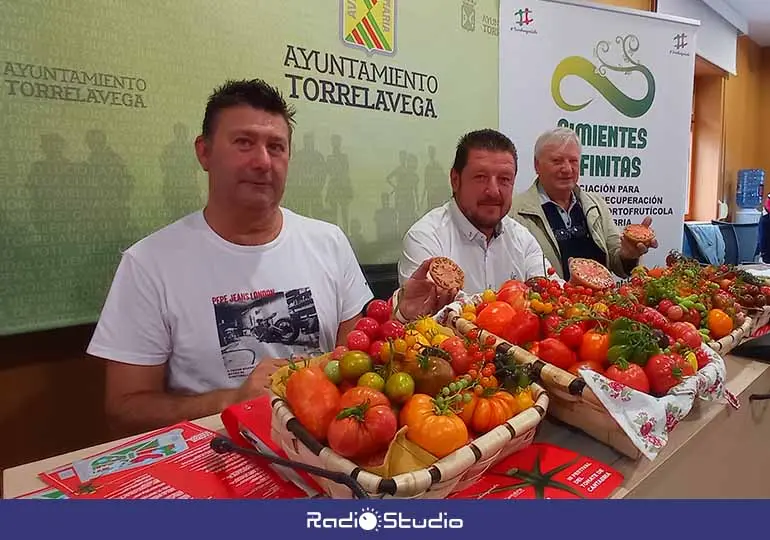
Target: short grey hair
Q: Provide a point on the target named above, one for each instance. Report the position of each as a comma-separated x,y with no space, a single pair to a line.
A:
560,136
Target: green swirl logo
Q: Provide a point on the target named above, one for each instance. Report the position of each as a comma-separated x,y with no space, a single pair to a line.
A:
596,76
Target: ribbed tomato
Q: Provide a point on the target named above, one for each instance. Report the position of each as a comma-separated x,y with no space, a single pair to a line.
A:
496,317
364,425
437,431
313,399
484,413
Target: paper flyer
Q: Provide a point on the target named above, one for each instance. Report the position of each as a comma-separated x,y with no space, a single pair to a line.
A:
544,471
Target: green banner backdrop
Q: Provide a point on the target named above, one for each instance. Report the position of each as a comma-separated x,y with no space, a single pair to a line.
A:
101,101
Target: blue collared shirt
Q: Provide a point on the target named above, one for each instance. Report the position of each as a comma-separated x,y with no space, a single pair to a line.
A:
544,199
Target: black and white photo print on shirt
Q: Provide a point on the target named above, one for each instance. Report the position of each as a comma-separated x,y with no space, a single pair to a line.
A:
251,325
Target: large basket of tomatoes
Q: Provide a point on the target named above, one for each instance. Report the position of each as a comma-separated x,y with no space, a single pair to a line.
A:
613,366
722,302
411,412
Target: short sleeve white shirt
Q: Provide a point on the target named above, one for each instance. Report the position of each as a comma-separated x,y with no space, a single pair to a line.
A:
213,309
512,253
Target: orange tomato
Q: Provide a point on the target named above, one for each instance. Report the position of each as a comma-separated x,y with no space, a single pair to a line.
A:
719,323
313,399
594,347
437,432
486,412
656,272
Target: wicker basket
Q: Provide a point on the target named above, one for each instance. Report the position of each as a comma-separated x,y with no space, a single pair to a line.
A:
571,400
436,480
734,338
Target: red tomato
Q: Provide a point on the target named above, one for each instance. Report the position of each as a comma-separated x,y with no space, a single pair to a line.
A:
631,375
549,325
702,358
461,363
655,318
368,326
358,341
688,333
523,328
391,329
313,399
496,317
675,313
555,352
481,307
339,352
515,295
572,336
594,347
460,359
452,343
666,371
593,366
378,310
664,305
365,424
694,317
375,348
360,394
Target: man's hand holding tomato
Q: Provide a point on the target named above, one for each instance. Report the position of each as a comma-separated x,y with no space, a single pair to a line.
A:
259,379
420,296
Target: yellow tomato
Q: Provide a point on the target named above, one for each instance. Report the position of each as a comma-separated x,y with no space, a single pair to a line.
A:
438,339
468,316
573,312
425,325
488,296
413,337
600,308
524,399
399,345
692,360
469,308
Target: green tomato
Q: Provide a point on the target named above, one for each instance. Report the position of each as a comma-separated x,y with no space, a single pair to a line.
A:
399,387
332,370
353,364
372,380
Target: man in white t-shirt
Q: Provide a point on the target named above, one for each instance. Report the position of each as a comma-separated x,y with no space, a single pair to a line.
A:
200,310
473,228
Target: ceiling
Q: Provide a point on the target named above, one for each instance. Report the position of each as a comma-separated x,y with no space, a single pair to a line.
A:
757,12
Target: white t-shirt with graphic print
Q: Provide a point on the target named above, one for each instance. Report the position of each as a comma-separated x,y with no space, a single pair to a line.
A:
213,309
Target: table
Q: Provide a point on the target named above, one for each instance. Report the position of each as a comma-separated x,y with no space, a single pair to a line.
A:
700,460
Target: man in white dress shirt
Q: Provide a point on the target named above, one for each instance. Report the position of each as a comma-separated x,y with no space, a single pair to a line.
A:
473,228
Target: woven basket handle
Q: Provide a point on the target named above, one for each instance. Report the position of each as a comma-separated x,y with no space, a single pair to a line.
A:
548,373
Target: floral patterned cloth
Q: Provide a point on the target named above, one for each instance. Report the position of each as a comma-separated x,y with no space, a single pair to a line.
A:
647,420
